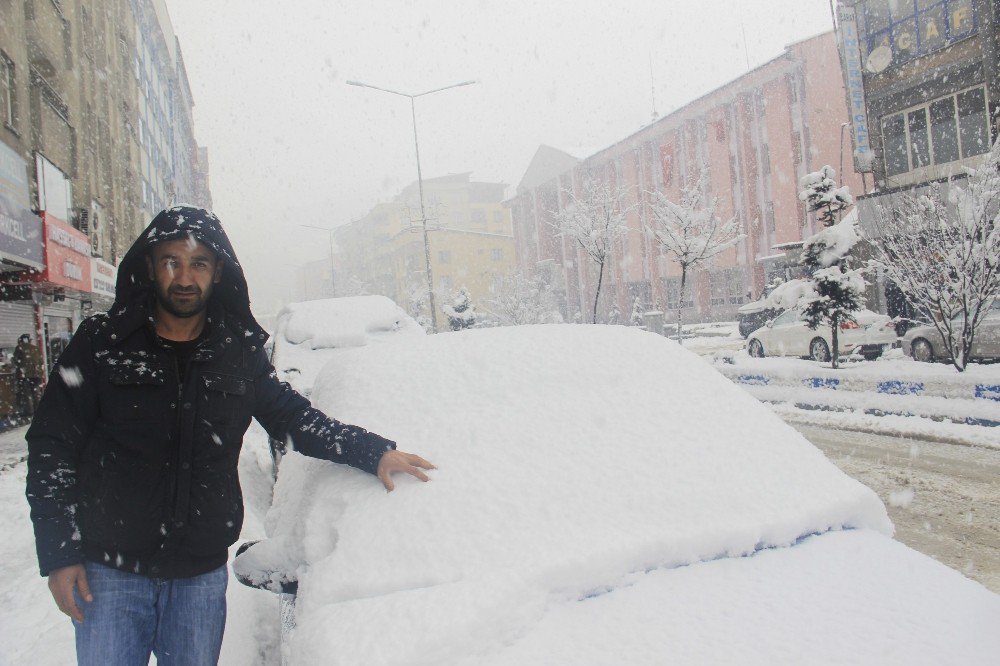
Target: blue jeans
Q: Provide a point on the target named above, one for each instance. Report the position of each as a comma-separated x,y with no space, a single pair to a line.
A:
179,620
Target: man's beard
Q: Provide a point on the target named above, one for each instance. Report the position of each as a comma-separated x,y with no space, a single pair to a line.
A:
183,309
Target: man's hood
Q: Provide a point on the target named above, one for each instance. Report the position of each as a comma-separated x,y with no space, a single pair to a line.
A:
179,222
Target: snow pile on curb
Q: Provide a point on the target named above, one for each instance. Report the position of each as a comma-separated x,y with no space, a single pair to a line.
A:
892,386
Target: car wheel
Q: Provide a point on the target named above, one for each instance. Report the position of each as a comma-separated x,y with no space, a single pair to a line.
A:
922,351
756,349
819,351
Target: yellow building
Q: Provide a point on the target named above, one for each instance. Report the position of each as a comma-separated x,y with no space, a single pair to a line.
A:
469,236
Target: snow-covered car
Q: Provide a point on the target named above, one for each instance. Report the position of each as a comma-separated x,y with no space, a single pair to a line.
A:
308,333
789,335
924,343
602,496
752,316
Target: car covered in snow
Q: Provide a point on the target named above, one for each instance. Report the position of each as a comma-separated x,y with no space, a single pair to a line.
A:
925,343
309,332
751,316
789,335
602,496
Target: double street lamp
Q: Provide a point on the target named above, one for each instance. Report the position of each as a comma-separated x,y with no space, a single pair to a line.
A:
420,180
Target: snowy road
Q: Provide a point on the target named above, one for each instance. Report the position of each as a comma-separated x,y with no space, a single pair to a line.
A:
943,498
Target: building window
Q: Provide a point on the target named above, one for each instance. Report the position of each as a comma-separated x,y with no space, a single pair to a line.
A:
720,288
8,107
55,190
939,132
496,254
444,256
672,288
769,216
911,28
479,216
498,216
667,163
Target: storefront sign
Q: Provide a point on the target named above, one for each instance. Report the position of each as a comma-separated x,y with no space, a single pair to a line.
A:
67,256
850,47
103,276
20,229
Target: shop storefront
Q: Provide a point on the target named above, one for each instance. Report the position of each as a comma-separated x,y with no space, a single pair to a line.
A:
21,252
63,288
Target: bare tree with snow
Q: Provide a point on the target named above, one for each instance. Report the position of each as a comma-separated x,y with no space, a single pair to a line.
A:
690,232
821,195
595,219
942,249
518,300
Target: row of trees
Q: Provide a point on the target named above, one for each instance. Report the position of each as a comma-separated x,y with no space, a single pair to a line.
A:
941,248
688,230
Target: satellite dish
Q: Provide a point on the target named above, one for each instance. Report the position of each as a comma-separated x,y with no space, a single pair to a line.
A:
878,59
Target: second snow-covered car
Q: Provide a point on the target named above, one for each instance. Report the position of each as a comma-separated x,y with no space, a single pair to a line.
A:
924,343
789,335
602,496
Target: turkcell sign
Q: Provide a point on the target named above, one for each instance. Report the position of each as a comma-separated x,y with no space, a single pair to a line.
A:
850,46
20,229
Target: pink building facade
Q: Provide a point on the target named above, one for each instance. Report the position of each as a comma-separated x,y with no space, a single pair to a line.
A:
757,136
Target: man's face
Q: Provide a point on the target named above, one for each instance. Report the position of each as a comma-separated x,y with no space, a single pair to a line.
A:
183,272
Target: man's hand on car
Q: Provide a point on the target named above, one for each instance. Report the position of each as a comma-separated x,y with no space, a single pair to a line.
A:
399,461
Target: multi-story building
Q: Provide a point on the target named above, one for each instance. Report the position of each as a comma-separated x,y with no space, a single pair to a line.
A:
84,87
756,136
171,169
469,241
926,74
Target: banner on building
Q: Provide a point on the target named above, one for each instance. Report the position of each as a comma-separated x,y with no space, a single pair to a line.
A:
102,278
67,256
850,49
20,229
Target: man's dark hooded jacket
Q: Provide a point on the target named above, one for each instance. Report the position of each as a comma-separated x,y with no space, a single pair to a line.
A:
131,468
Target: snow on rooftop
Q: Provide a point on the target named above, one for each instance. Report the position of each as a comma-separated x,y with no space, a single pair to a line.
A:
569,458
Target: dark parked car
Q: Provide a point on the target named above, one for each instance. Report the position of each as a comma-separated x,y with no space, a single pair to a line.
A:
752,316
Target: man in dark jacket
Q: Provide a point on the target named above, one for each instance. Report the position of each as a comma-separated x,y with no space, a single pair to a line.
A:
132,454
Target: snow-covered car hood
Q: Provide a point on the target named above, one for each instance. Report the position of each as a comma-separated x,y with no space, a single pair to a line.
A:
571,459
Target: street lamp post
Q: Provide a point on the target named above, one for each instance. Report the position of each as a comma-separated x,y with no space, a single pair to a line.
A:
420,180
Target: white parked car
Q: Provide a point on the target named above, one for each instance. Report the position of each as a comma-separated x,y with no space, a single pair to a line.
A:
789,335
602,496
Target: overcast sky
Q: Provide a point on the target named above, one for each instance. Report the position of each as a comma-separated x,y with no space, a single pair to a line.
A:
290,143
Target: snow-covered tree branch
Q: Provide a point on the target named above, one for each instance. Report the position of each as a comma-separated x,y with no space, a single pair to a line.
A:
689,231
518,300
595,219
942,249
821,195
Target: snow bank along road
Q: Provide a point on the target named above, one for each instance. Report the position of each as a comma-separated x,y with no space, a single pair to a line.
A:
943,499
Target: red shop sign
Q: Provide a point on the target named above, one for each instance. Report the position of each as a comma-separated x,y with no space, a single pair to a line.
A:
67,255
